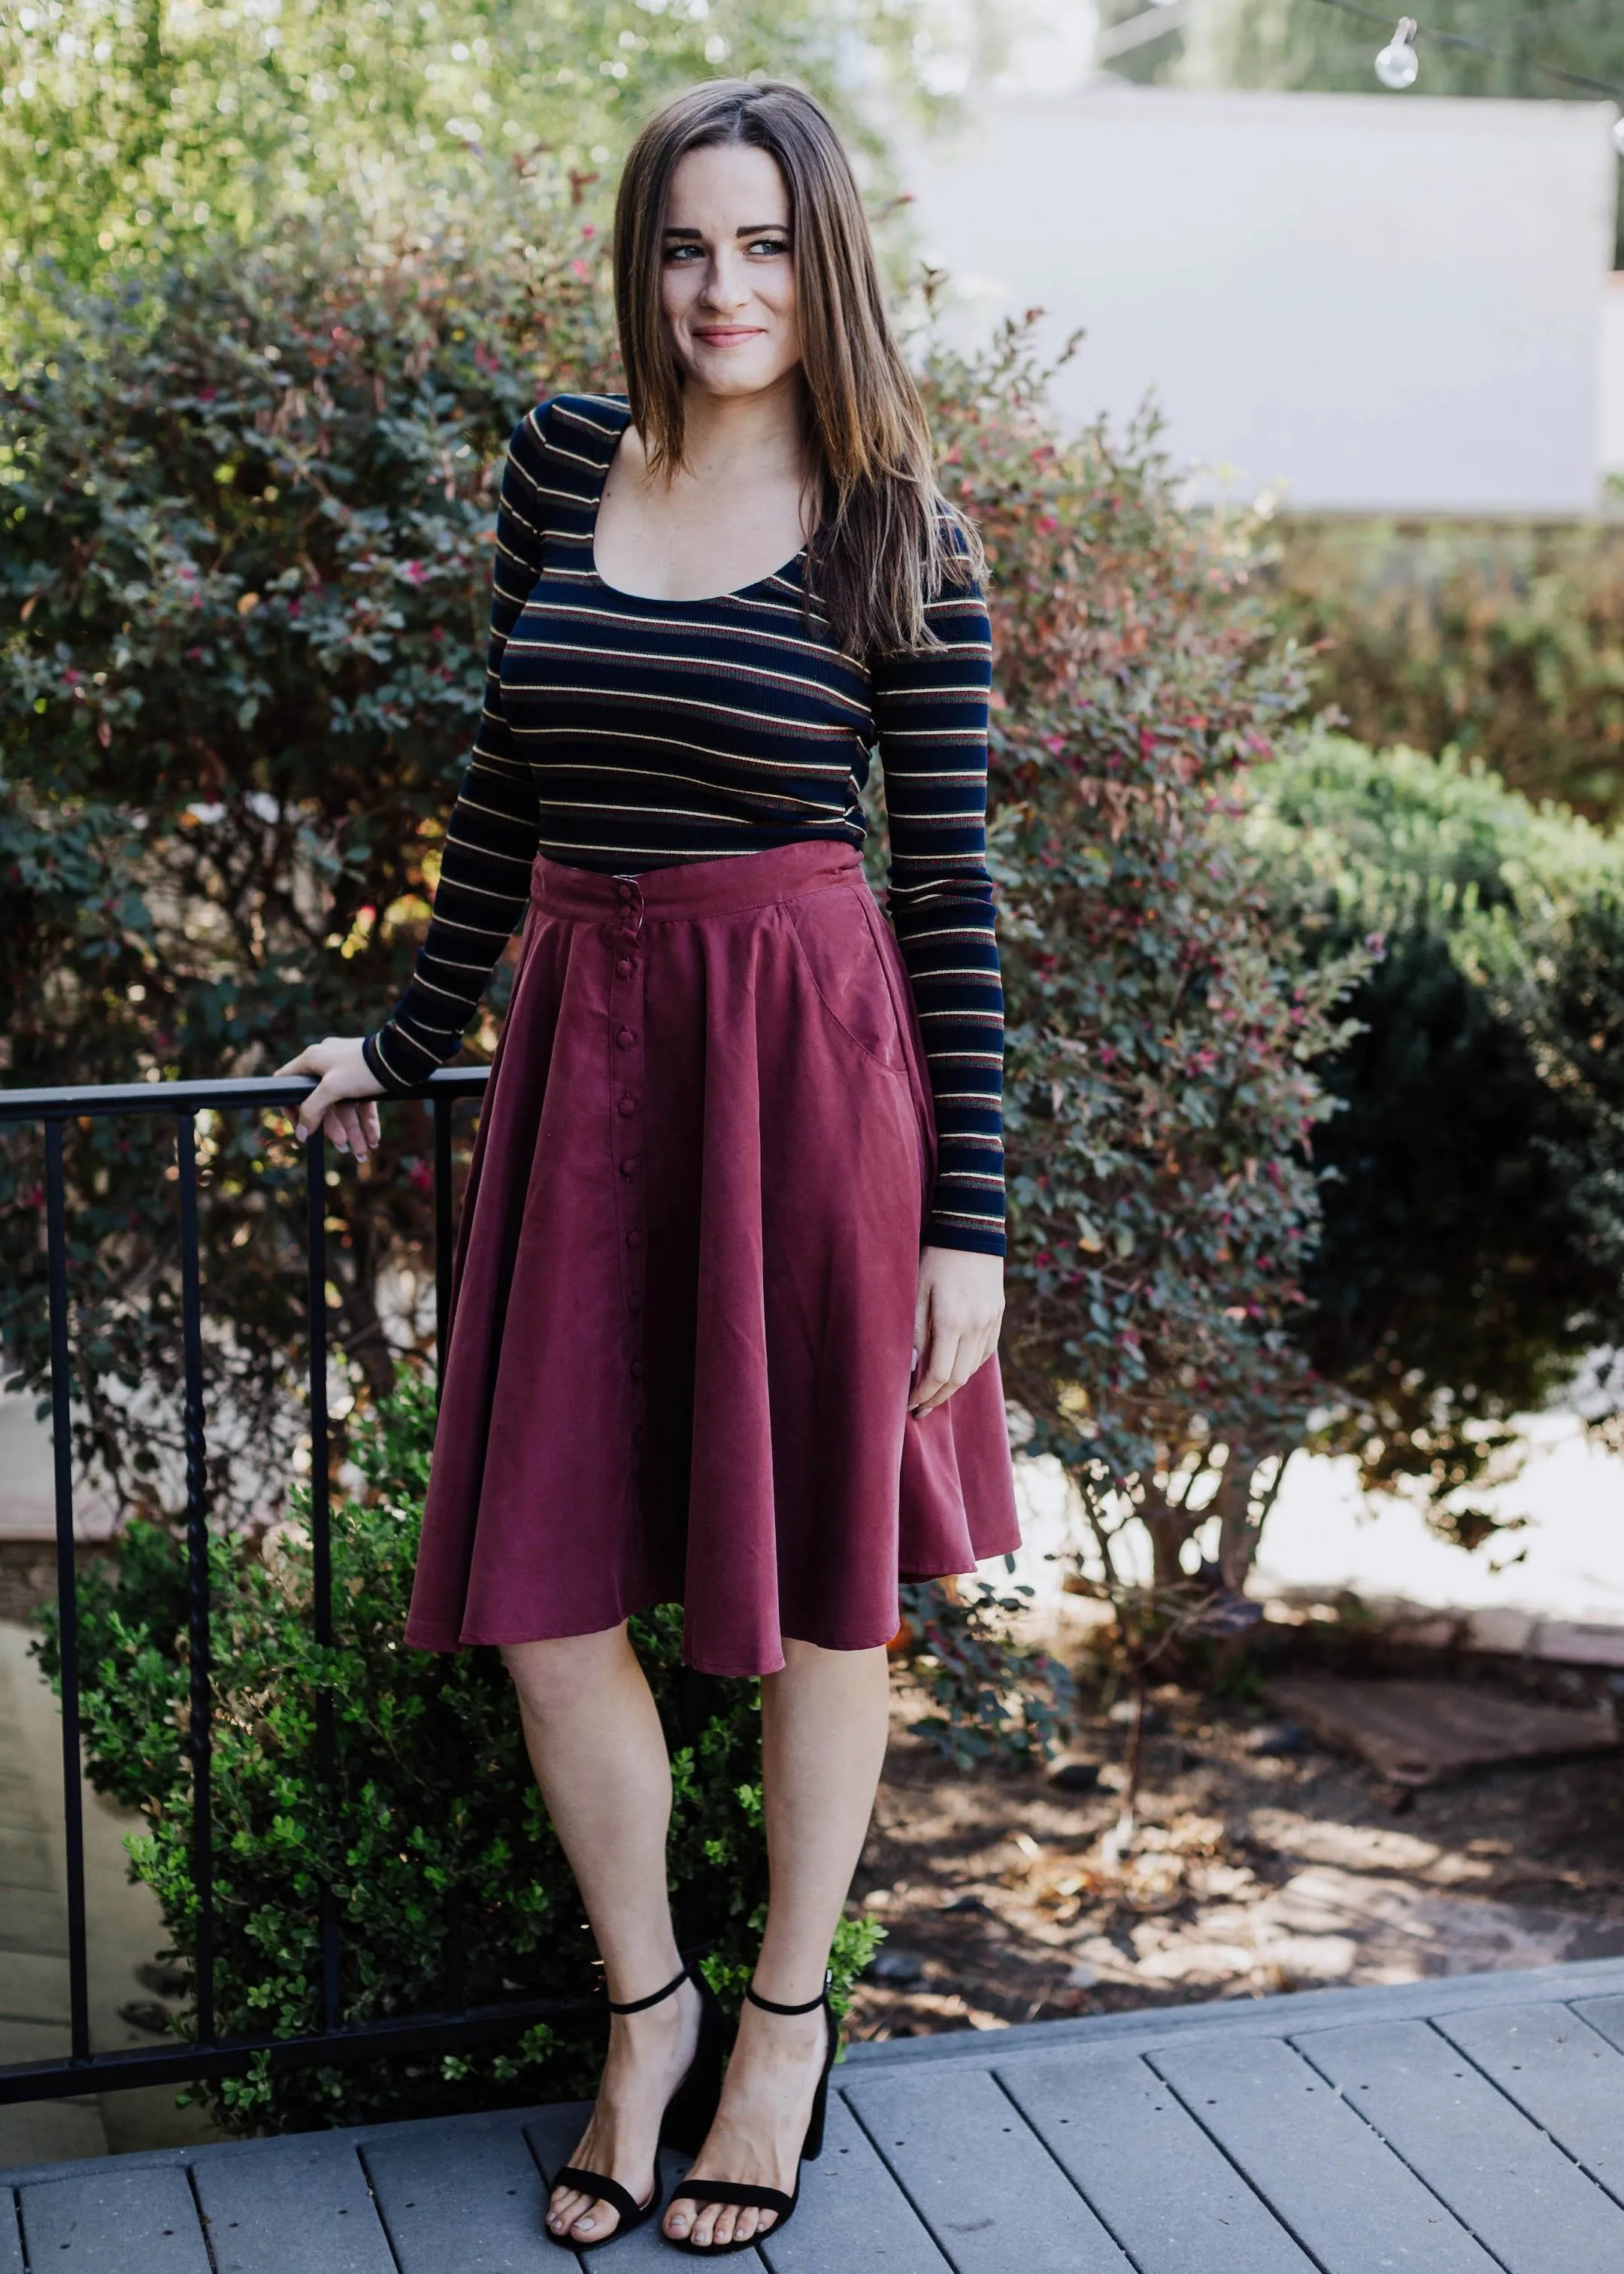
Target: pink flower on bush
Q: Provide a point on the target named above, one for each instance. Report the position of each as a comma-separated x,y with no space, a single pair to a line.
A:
414,572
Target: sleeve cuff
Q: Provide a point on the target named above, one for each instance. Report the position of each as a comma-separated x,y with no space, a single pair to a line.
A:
978,1239
379,1068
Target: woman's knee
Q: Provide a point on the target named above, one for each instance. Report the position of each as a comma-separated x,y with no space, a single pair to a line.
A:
555,1676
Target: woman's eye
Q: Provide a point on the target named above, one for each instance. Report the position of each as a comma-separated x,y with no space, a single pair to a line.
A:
770,245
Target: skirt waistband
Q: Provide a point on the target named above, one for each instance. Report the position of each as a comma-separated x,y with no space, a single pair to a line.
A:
700,888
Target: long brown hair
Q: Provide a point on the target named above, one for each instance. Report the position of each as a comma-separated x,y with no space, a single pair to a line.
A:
886,541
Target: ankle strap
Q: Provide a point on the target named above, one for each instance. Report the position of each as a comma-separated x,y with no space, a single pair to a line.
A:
771,2005
641,2005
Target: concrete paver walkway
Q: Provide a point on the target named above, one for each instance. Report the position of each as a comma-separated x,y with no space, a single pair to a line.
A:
1455,2126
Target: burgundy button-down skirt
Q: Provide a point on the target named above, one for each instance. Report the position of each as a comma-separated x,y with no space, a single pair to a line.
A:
683,1297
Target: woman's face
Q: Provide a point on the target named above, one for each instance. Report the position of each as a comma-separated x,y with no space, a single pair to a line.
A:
727,272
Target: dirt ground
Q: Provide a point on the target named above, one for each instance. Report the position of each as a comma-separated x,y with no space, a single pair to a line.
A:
1251,1873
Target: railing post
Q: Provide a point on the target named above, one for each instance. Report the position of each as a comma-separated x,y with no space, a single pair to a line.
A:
322,1533
82,2068
199,1653
67,1591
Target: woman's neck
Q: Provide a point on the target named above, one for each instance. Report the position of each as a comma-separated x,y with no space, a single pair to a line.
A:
725,436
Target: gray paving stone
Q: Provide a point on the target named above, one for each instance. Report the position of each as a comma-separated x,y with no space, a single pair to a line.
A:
296,2206
852,2218
461,2199
1499,2174
11,2237
1353,2206
34,1987
25,1861
992,2195
1560,2072
1175,2203
1284,2014
1605,2015
553,2137
112,2221
31,1919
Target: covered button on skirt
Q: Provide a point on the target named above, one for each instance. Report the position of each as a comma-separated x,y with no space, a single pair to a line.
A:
682,1304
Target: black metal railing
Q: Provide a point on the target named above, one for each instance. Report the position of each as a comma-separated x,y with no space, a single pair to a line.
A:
206,2054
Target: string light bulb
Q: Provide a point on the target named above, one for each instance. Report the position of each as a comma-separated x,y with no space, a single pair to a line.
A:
1397,63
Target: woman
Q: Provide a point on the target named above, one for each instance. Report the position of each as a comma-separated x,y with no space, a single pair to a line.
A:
728,1283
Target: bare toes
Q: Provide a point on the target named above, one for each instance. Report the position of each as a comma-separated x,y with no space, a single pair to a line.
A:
563,2208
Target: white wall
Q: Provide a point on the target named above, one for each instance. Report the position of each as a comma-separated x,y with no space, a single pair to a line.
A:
1612,375
1380,303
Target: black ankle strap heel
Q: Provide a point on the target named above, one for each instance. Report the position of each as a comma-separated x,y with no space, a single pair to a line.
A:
744,2194
687,2118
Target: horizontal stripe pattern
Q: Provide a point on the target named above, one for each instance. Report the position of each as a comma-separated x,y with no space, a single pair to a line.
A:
622,733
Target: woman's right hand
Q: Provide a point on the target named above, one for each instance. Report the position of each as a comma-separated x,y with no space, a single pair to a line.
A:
342,1101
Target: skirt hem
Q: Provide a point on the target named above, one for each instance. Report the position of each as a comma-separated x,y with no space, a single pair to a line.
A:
700,1665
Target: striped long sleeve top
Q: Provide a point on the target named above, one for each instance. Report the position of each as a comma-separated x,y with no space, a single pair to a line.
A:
621,732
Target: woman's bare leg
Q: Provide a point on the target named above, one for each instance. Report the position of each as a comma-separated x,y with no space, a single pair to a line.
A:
595,1742
823,1728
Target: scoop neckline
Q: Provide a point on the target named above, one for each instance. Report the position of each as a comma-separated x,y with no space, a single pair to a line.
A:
656,600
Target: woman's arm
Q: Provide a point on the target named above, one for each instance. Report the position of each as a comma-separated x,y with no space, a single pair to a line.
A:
930,706
490,841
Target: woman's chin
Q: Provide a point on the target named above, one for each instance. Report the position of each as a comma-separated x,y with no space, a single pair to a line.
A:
734,372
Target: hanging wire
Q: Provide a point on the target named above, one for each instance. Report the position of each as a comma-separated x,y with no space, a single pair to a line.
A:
1482,48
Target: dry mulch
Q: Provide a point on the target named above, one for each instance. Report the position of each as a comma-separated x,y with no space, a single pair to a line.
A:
1250,1875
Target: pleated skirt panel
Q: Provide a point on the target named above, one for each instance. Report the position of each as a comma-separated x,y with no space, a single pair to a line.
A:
683,1297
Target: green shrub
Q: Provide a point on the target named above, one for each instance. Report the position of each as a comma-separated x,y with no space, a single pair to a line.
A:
1505,643
994,1697
442,1865
242,593
1469,1263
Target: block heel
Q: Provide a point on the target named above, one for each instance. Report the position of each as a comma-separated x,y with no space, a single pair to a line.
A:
687,2118
743,2194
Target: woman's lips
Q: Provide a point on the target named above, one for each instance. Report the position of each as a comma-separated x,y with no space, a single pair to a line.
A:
726,335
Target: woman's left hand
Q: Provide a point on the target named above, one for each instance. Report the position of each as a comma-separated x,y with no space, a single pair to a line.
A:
956,1321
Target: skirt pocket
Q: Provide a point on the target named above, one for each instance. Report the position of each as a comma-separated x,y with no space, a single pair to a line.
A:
831,929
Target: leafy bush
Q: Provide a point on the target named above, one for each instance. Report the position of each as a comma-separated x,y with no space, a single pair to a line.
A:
1504,644
1469,1265
128,135
996,1696
1159,1094
243,587
432,1841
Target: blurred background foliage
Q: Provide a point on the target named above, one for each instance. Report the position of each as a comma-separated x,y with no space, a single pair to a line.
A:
1469,1263
134,130
1502,641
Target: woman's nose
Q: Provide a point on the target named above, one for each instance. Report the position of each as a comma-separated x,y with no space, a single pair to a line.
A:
727,283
